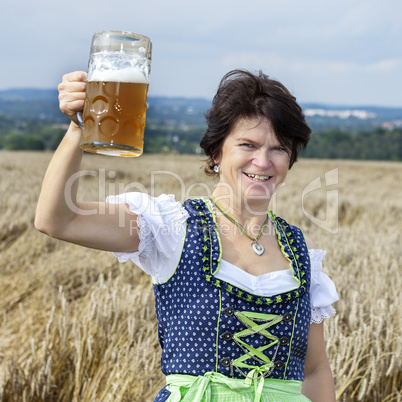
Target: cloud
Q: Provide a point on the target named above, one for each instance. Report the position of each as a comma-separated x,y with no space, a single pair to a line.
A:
386,66
278,62
194,44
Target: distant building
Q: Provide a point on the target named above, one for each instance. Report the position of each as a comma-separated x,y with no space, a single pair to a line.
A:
342,114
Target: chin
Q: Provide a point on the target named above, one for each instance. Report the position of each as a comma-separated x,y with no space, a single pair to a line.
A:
260,192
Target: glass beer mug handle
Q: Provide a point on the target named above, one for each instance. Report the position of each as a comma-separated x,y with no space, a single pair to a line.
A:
80,120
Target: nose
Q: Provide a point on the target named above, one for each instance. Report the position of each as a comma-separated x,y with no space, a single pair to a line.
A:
262,159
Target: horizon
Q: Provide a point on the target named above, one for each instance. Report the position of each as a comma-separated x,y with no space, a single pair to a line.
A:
306,103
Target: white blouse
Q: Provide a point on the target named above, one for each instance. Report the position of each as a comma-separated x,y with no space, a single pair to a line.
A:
162,225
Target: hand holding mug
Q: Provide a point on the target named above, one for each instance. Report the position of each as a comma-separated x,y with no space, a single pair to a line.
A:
72,94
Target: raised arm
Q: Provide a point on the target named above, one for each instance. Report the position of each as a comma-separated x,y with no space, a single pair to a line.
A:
59,214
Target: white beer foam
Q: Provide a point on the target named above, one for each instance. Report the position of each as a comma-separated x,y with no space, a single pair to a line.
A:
124,75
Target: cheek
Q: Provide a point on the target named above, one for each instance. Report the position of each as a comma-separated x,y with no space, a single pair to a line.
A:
233,159
283,165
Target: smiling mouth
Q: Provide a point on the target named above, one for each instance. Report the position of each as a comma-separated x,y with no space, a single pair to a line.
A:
256,177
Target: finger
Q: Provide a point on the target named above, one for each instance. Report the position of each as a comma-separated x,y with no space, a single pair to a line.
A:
75,76
71,87
71,103
71,108
72,94
65,98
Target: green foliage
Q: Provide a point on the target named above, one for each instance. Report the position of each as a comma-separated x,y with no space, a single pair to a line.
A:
56,138
17,141
183,141
13,141
29,135
34,143
32,120
6,124
375,145
379,144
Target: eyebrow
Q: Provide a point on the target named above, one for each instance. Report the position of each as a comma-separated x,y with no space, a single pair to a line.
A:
246,139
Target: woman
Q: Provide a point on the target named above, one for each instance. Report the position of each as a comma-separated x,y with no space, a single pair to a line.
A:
239,293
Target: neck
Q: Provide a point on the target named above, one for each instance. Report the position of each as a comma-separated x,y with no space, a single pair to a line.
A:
244,209
251,222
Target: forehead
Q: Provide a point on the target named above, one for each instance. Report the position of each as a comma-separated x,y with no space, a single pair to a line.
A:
255,127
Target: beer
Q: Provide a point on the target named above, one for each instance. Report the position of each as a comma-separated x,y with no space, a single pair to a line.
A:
114,117
116,99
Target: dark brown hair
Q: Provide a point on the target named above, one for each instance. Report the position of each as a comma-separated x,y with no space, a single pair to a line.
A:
242,94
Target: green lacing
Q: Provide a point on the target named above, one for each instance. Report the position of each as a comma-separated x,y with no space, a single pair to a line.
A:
256,323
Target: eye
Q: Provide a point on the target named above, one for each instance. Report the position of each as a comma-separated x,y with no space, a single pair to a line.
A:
280,149
247,145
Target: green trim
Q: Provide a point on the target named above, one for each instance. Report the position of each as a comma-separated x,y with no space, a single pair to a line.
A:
230,287
285,235
217,330
291,338
212,254
217,236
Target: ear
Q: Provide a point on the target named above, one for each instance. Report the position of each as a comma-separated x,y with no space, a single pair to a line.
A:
217,159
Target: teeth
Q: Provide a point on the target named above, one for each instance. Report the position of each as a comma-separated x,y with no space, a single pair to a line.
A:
257,177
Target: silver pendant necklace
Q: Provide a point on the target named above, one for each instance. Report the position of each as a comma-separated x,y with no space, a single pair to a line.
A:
255,246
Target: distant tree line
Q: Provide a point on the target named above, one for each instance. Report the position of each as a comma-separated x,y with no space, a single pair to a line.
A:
379,144
176,140
29,135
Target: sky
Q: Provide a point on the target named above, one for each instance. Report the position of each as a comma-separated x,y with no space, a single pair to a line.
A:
338,52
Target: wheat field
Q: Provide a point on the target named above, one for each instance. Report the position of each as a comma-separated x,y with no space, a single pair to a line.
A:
76,325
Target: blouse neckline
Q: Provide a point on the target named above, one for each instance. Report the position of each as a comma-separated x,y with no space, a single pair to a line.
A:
256,277
212,253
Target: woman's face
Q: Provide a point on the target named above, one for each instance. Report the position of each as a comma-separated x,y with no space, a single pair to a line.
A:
252,161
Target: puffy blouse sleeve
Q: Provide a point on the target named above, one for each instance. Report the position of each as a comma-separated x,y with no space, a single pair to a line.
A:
322,290
161,225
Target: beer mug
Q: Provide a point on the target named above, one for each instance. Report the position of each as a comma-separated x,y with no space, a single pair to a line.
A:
113,120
